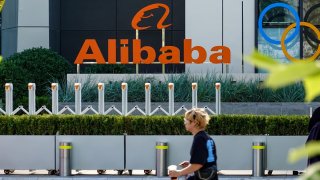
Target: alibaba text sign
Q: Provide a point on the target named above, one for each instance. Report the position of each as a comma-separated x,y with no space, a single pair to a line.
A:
168,55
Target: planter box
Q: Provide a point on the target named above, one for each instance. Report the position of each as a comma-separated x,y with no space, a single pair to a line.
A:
234,152
94,152
141,152
278,149
138,152
27,152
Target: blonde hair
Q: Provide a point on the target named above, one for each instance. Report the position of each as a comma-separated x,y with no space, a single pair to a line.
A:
199,116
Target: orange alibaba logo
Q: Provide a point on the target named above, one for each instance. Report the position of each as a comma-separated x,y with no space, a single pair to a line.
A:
170,54
142,14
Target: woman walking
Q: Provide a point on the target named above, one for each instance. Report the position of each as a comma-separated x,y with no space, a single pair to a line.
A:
203,160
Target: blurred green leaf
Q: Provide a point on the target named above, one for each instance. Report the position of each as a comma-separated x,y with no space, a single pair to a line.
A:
262,61
288,74
312,173
282,75
311,86
311,149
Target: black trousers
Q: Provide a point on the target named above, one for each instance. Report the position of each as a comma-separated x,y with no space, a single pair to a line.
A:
196,178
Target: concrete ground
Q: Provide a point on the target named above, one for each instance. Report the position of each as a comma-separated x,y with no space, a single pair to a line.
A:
137,175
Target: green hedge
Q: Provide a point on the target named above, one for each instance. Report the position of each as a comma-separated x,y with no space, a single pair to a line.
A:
152,125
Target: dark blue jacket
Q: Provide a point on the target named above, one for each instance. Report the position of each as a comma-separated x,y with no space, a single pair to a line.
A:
314,133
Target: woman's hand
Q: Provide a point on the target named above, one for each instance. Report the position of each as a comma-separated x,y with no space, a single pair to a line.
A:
174,173
184,164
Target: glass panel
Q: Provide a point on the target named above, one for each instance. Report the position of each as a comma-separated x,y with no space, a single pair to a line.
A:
311,14
311,11
278,15
275,51
310,43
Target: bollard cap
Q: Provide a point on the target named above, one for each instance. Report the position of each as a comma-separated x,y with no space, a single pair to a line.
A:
77,86
194,86
218,85
258,145
162,145
8,86
100,86
170,86
147,86
54,86
124,86
31,86
65,145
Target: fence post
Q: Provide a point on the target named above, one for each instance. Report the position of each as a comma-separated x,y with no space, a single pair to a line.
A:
9,98
77,99
55,98
194,95
101,98
148,98
162,45
218,98
137,65
32,98
124,88
171,99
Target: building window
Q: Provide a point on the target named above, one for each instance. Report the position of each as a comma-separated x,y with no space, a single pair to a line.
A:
311,14
276,20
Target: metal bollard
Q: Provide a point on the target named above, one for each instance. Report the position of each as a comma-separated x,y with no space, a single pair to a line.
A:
258,159
161,159
65,158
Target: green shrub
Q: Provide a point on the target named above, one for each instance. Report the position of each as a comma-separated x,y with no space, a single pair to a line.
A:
90,125
40,101
109,68
237,125
154,125
231,91
149,125
89,91
281,125
240,91
36,65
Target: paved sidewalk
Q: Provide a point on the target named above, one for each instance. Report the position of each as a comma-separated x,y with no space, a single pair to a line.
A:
137,175
107,177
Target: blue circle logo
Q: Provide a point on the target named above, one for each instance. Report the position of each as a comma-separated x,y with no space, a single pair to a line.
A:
292,10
